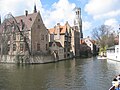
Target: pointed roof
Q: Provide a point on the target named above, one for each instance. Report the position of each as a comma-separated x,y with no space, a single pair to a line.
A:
27,20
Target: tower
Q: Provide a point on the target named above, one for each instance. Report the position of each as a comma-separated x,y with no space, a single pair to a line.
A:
78,21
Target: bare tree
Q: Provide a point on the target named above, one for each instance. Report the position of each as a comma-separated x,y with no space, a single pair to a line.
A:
103,36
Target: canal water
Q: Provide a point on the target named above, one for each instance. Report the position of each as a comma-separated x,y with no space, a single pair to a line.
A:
74,74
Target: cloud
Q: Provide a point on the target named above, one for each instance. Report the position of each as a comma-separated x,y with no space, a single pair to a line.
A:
61,12
86,25
17,7
103,8
112,22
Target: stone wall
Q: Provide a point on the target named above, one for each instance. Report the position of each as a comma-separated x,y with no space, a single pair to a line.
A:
27,59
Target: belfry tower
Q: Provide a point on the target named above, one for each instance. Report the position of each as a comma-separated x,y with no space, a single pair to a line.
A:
78,21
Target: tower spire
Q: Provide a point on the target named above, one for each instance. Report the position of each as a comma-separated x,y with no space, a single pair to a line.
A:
0,19
35,9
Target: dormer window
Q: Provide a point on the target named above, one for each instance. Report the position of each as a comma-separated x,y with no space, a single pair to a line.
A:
30,19
38,20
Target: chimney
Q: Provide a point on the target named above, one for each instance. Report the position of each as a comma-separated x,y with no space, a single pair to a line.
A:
26,13
58,31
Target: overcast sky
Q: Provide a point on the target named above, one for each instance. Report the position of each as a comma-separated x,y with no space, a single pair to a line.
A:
94,12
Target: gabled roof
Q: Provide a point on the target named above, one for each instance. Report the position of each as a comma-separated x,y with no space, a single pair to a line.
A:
57,43
27,20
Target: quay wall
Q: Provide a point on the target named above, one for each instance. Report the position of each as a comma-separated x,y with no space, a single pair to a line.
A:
28,59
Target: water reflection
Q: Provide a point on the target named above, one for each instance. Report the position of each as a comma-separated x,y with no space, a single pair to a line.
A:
76,74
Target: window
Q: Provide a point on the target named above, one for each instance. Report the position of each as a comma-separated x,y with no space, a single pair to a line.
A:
78,12
14,36
8,37
38,47
21,37
27,36
26,48
64,49
30,19
38,20
46,37
42,37
38,26
8,47
117,50
21,47
14,47
46,47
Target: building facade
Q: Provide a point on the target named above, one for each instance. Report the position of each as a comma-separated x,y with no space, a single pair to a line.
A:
62,34
69,36
57,49
24,35
92,44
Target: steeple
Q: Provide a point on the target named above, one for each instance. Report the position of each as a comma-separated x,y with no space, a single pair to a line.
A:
0,19
35,10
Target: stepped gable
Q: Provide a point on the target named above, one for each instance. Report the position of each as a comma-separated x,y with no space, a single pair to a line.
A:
62,30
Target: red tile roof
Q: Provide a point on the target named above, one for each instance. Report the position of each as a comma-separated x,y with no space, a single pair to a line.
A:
83,40
62,29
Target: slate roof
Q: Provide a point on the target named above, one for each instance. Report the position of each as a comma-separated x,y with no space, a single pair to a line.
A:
27,20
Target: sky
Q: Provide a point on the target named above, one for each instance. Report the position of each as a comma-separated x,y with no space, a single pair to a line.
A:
94,13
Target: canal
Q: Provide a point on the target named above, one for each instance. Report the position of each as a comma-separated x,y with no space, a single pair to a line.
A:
74,74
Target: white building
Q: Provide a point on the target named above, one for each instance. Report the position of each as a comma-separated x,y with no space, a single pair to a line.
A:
113,52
